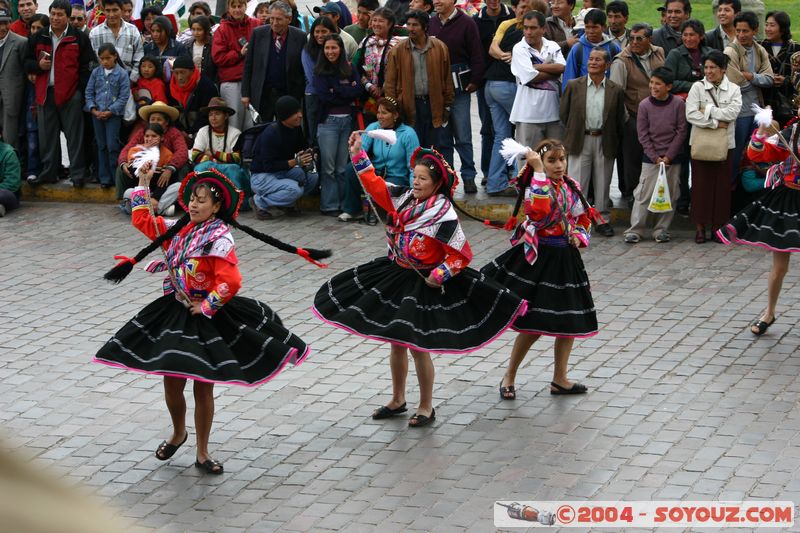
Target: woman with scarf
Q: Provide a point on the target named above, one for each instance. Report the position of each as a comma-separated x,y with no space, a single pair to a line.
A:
544,265
189,91
200,329
422,297
370,58
772,221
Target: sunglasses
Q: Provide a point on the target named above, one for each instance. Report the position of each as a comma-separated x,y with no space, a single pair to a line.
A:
638,38
74,19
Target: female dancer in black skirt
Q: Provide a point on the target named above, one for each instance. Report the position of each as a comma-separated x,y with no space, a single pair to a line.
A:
772,221
422,297
544,265
200,329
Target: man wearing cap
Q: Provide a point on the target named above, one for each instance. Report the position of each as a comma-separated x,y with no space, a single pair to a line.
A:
12,79
281,168
332,11
190,90
272,65
60,58
163,115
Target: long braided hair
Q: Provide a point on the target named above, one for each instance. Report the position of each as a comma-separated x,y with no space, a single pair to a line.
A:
124,267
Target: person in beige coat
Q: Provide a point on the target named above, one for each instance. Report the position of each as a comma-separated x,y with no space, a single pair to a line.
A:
713,102
424,96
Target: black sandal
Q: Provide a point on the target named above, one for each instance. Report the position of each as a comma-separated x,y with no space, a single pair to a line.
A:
422,420
166,450
210,466
577,388
507,393
761,326
387,412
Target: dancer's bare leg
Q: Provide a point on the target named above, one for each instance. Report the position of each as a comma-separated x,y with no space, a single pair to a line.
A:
563,347
176,404
522,344
203,416
398,362
425,375
780,266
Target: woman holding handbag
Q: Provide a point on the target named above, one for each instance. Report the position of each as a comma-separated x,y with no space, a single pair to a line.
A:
711,108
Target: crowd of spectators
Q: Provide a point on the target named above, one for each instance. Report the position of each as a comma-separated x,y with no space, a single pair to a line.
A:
122,87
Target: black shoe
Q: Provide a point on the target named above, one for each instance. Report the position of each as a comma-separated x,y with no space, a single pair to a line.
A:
605,230
508,192
292,211
683,210
77,184
470,187
261,214
371,219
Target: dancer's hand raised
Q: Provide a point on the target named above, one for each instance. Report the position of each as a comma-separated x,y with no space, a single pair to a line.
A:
354,142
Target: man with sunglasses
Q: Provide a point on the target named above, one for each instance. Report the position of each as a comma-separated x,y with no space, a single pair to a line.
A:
78,18
631,70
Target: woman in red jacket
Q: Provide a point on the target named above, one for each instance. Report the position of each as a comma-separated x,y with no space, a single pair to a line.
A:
422,297
228,48
200,329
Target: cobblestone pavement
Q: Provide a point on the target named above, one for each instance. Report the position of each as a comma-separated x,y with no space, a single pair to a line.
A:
684,403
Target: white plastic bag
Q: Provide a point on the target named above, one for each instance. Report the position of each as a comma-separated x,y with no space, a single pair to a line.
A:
660,200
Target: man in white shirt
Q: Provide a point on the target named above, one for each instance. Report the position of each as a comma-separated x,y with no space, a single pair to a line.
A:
537,63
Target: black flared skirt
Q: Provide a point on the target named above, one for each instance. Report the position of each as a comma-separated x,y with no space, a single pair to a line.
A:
244,343
772,222
556,287
384,301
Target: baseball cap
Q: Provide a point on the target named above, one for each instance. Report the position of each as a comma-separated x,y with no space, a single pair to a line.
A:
5,15
330,7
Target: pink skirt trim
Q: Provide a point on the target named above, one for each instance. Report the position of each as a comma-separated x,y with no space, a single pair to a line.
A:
556,335
735,240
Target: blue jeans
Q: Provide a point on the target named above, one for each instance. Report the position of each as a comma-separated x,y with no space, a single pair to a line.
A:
744,129
459,134
500,98
487,131
332,137
106,134
34,164
282,189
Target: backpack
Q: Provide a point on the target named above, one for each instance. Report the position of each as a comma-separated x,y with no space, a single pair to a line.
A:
246,143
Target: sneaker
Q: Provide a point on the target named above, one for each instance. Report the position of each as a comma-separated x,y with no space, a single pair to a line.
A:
347,217
169,211
631,238
2,210
662,237
371,219
125,207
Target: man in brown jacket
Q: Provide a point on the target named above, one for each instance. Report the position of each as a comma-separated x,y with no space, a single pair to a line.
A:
418,77
593,111
631,70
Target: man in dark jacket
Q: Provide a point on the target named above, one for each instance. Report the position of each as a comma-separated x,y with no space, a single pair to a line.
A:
281,168
60,58
668,36
272,66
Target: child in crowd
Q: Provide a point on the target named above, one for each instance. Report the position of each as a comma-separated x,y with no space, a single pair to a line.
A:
662,127
107,94
33,164
213,145
151,78
588,5
261,12
162,193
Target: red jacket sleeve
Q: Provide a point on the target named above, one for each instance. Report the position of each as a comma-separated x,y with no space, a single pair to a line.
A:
761,151
373,184
180,152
